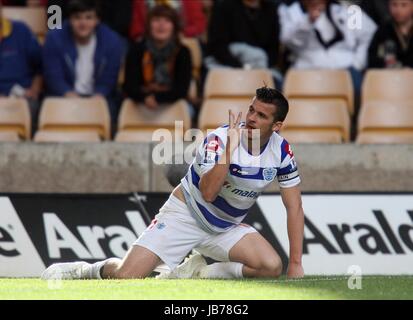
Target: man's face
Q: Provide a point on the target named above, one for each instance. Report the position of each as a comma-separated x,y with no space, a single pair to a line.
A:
84,24
401,10
261,116
162,29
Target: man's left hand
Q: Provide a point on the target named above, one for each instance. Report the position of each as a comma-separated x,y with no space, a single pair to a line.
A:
295,271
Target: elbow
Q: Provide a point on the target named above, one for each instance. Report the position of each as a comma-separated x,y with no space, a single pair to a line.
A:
207,194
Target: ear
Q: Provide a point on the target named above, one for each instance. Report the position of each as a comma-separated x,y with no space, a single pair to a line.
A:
276,126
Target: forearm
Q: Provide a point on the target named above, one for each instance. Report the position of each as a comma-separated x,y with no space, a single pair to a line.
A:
211,182
295,226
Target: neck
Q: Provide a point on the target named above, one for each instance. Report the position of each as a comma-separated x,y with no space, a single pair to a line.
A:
251,144
160,44
405,27
252,4
83,40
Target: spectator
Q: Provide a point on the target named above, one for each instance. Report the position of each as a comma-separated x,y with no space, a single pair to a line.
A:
318,36
377,10
190,12
20,63
243,33
84,57
158,68
392,46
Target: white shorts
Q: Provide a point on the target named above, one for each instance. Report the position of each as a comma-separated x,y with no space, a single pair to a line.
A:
174,233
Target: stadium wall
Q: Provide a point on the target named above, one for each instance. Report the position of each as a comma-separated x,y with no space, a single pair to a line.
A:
123,168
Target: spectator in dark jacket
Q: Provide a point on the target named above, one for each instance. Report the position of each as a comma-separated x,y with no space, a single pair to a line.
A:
392,45
190,12
84,57
240,27
20,63
158,69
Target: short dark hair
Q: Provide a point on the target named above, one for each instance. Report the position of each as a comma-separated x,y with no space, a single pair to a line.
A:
275,97
79,6
165,11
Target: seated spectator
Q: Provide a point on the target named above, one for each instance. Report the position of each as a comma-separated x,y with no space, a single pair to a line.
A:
377,10
243,33
158,68
392,46
83,58
190,12
317,33
20,63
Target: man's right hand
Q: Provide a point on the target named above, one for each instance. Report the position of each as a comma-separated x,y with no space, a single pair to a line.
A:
233,132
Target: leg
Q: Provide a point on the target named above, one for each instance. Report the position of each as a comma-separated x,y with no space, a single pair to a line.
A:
168,239
139,262
257,255
244,252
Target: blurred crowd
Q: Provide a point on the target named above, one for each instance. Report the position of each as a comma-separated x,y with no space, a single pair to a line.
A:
144,37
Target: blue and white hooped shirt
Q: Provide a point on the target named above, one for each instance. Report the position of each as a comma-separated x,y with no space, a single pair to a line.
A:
247,178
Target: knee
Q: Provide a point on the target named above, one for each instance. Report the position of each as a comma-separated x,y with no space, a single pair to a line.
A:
272,267
127,274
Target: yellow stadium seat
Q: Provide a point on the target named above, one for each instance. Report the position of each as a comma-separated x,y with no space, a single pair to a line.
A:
393,121
313,136
324,121
387,85
76,115
320,84
69,136
385,138
235,83
141,136
9,136
34,17
15,117
143,122
214,112
196,55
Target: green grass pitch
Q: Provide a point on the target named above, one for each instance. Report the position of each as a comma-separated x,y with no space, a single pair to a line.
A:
326,288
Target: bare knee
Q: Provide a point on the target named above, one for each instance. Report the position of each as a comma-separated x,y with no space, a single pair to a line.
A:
271,267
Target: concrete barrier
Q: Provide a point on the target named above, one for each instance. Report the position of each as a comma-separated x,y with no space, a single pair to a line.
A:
123,167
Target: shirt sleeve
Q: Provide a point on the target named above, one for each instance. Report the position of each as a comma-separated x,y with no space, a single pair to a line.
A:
209,152
288,175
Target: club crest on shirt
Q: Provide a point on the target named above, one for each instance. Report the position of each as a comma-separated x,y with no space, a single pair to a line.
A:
269,174
213,146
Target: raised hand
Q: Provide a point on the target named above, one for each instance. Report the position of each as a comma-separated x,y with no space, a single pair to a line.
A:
233,131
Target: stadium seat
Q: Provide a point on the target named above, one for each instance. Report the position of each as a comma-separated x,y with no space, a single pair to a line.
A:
386,122
15,119
385,138
317,121
34,17
312,136
196,55
235,83
9,136
320,84
387,85
59,136
214,112
138,122
75,115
